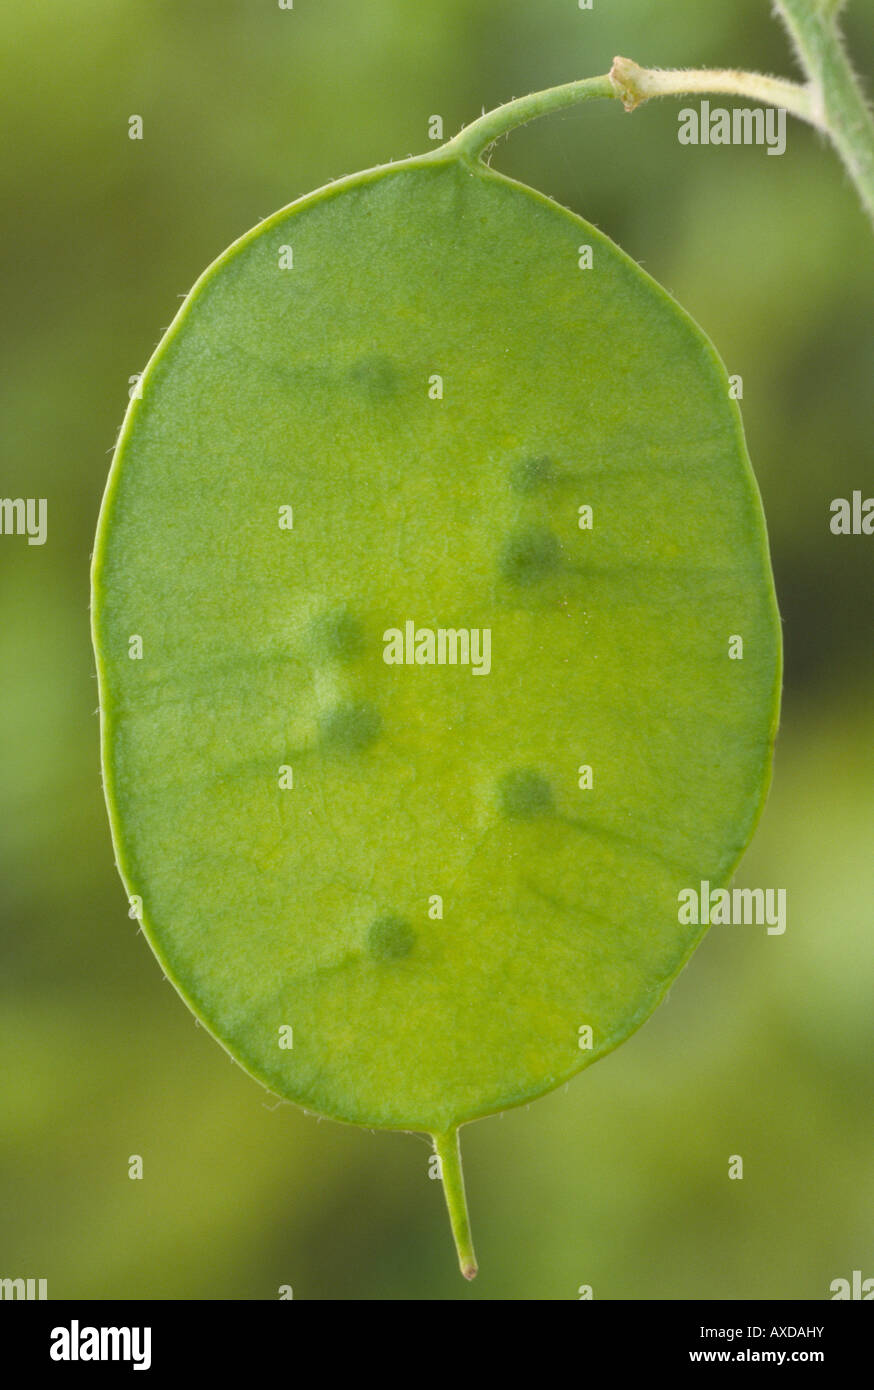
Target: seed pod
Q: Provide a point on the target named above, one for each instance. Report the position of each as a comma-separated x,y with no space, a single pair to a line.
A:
435,520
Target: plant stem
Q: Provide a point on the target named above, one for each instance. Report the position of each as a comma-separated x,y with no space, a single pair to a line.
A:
632,85
448,1150
475,138
840,105
831,99
635,85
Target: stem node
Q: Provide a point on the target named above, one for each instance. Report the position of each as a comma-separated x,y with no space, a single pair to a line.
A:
625,75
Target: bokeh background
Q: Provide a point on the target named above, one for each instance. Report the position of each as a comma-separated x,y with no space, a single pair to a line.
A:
764,1047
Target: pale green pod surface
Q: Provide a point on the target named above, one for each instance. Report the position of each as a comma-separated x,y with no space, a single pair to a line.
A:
405,420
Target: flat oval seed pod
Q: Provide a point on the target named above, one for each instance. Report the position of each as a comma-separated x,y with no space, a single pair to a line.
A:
437,647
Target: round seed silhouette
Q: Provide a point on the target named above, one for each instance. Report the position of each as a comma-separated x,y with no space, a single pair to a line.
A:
438,548
390,938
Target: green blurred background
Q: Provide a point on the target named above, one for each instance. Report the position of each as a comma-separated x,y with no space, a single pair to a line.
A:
764,1046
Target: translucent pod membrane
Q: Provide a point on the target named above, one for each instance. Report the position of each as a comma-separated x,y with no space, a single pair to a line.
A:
436,528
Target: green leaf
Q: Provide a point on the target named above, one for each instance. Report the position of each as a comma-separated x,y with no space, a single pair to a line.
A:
315,907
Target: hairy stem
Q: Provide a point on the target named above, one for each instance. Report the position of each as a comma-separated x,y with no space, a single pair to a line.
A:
635,85
448,1150
475,138
831,98
632,85
840,105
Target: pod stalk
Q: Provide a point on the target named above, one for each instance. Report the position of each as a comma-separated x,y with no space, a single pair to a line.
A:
448,1150
831,99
